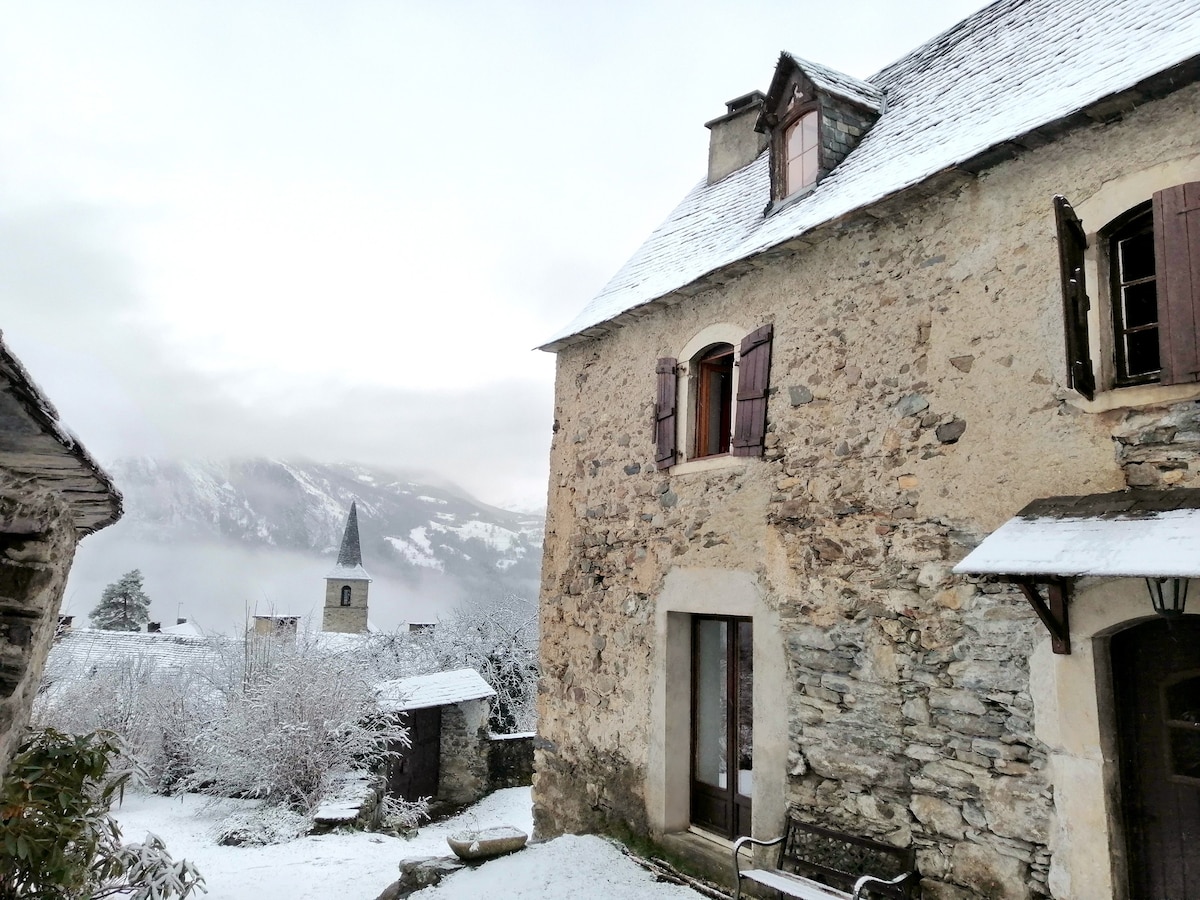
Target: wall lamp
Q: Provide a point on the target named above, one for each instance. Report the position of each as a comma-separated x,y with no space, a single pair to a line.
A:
1168,595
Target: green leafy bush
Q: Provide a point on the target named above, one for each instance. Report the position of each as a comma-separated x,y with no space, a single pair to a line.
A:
58,839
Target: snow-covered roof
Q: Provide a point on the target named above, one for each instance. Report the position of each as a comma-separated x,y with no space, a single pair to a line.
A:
1127,534
81,652
998,75
185,629
438,689
341,573
840,84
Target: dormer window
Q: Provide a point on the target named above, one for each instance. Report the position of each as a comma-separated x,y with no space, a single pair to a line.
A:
802,147
814,118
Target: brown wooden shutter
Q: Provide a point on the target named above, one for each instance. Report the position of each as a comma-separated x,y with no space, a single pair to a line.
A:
1177,266
754,371
664,413
1071,243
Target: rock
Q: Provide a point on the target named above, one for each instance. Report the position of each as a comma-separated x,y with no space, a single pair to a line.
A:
423,872
800,395
938,816
962,363
990,874
951,431
911,405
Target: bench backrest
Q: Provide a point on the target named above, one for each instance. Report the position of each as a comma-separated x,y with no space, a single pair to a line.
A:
840,859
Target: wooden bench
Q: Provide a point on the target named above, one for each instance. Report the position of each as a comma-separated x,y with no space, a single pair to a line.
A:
816,863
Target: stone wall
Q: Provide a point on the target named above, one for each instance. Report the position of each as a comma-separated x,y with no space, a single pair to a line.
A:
464,762
350,619
35,556
918,401
510,760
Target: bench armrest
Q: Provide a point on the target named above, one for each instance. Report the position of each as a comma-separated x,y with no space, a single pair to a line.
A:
871,879
737,869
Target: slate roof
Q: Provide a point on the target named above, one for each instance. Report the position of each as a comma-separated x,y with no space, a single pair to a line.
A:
1017,71
1133,534
35,444
349,561
438,689
840,84
82,652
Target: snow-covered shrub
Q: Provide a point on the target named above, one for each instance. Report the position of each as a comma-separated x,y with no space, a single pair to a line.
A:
302,715
499,641
261,825
397,814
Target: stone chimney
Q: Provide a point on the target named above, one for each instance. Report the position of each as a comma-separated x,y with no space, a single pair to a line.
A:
733,142
181,621
153,627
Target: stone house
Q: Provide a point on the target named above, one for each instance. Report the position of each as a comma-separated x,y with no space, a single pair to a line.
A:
52,494
840,447
447,718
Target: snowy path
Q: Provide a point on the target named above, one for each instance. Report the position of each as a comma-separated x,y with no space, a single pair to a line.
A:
360,865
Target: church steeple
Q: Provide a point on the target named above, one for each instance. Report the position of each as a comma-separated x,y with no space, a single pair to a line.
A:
351,553
347,585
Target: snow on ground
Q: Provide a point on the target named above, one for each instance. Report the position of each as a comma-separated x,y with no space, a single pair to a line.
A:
359,865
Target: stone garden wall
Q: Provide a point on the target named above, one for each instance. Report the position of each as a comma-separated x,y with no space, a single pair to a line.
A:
918,402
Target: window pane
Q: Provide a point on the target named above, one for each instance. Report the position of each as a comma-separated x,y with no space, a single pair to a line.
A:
1141,304
808,126
711,702
745,709
1183,701
809,164
795,140
1137,257
1141,352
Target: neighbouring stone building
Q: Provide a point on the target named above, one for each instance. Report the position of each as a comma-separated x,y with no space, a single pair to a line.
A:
857,350
347,586
52,494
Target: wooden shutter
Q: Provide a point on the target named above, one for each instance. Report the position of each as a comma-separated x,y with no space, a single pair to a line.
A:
754,370
1177,266
664,413
1071,243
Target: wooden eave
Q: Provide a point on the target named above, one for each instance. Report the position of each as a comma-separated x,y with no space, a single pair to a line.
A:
34,445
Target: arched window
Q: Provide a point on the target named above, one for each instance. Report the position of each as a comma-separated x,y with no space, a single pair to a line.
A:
346,595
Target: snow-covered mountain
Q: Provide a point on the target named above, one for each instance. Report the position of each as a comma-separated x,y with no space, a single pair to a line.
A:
234,537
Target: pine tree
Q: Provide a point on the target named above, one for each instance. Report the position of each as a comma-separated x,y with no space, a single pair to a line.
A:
123,606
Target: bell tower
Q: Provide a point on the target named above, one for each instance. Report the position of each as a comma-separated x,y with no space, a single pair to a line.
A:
346,586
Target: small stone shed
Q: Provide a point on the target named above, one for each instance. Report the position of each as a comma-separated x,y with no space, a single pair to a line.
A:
52,494
447,717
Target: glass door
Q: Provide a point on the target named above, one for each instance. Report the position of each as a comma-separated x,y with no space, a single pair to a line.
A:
722,724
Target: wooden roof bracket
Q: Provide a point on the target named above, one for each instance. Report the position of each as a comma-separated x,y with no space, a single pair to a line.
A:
1053,611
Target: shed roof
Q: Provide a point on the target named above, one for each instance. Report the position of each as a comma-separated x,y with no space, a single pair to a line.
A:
35,444
438,689
1136,534
1009,76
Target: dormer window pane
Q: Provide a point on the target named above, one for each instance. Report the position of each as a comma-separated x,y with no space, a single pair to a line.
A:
802,147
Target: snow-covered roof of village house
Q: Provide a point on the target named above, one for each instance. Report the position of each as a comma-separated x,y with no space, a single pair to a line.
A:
438,689
1134,534
82,652
1008,70
840,84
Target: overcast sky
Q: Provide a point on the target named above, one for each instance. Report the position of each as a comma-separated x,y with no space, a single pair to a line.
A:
336,229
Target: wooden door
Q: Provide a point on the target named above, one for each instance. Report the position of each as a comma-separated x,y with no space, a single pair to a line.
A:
722,724
1156,676
414,773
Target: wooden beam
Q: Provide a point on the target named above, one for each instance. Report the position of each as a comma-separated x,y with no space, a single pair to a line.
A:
1053,611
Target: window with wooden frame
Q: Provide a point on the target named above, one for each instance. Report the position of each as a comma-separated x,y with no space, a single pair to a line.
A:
801,151
1151,254
725,410
714,401
345,595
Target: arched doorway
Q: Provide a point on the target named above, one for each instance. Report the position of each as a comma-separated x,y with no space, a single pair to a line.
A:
1156,688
